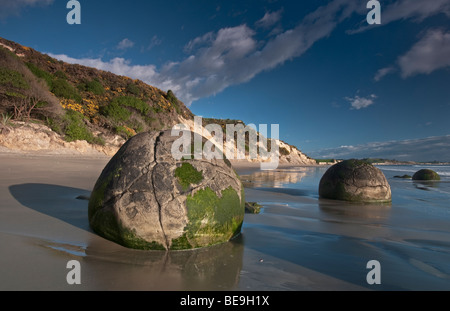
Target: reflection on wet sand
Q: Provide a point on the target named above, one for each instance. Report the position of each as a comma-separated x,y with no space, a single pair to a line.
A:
367,211
275,178
425,184
213,268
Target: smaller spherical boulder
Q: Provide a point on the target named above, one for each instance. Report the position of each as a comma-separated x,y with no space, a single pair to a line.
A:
426,174
355,181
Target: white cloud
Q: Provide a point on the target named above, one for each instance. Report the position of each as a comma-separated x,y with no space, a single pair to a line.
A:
232,55
269,19
125,44
207,38
154,42
383,72
431,53
417,10
358,102
425,149
13,7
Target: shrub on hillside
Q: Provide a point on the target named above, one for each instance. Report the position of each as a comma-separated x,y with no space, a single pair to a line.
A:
75,128
9,77
116,112
133,102
62,88
93,86
125,132
173,100
133,89
44,75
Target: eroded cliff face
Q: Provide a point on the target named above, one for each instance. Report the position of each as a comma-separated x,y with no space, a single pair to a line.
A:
31,138
28,137
288,154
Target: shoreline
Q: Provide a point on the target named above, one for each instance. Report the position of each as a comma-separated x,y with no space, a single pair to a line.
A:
43,226
297,243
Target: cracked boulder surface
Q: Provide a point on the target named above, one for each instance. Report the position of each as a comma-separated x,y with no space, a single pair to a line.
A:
146,199
355,181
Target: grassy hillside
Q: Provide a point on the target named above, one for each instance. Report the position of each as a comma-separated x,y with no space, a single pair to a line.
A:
79,102
83,103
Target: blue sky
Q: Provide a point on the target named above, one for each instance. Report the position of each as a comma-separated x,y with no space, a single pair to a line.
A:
337,86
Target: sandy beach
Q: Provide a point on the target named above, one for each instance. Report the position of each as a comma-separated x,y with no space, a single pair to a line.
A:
298,242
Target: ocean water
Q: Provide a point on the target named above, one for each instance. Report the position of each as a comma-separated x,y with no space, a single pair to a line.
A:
410,238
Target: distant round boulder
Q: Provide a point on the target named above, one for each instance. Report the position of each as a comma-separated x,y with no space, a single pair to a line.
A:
355,181
146,199
426,174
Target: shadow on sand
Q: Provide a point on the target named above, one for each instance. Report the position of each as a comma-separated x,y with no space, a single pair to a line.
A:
56,201
213,268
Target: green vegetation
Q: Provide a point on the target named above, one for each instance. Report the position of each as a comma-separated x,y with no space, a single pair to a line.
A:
73,126
60,75
5,118
173,100
125,122
93,86
133,89
13,78
15,95
116,112
76,128
62,88
47,77
124,132
57,83
188,175
55,124
133,102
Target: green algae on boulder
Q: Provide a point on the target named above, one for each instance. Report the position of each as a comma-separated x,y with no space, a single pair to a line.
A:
355,181
426,174
146,199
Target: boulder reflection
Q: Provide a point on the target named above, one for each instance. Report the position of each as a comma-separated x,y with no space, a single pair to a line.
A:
212,268
425,184
365,211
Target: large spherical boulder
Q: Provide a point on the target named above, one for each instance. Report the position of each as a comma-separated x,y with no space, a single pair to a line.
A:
355,181
426,174
145,199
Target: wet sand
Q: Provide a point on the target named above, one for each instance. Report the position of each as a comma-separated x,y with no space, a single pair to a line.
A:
295,244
